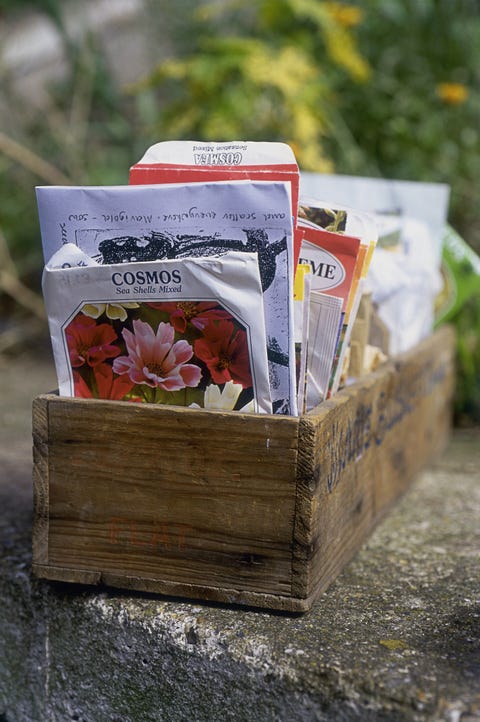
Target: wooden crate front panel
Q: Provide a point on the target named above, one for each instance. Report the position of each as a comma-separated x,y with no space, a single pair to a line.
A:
180,495
258,510
359,451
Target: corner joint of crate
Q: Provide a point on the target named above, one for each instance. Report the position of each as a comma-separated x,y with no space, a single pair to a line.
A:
306,549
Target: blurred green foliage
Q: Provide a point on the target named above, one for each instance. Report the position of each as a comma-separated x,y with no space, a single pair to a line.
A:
384,88
267,72
417,118
15,5
87,134
368,87
467,395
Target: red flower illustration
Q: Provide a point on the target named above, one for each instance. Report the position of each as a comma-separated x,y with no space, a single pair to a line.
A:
197,313
225,352
88,343
107,386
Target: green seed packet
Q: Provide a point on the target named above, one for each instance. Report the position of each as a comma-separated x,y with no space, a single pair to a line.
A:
460,274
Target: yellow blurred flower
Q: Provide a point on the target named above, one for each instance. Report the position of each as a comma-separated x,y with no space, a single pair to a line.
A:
340,42
452,93
347,15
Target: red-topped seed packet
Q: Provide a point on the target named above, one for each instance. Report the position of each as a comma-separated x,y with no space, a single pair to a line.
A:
333,259
187,161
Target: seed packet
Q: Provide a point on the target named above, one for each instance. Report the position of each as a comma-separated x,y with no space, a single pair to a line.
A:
460,276
337,261
185,332
336,218
135,223
332,258
185,161
341,219
426,202
404,284
301,315
324,328
405,280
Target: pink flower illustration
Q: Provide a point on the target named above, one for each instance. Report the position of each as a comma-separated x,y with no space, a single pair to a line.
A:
225,352
198,313
88,343
155,360
106,386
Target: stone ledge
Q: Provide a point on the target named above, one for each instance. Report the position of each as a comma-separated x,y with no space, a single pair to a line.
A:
395,638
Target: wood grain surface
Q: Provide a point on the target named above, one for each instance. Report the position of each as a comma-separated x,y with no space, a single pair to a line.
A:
248,509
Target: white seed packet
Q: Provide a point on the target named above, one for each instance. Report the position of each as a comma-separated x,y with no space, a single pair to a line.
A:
404,284
70,256
186,332
119,224
324,329
190,161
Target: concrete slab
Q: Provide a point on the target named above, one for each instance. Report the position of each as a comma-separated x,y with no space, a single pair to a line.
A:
395,638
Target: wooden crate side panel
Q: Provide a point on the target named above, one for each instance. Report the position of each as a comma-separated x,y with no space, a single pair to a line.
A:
364,449
177,495
418,412
332,517
40,480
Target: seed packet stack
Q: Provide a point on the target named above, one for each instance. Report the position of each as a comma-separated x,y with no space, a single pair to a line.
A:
174,161
203,283
405,274
117,227
337,243
206,162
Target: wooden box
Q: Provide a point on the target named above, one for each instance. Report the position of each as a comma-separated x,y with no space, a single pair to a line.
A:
248,509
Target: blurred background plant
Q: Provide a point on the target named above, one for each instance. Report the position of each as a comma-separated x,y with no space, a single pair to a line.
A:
370,87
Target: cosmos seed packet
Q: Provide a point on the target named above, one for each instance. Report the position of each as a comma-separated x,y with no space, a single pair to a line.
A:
183,332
